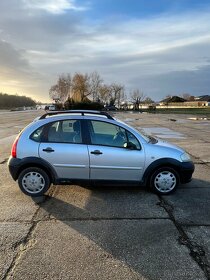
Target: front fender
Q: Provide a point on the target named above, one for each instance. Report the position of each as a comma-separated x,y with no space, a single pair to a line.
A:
180,167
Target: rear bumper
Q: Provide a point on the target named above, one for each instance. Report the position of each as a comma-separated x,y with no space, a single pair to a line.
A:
14,166
186,171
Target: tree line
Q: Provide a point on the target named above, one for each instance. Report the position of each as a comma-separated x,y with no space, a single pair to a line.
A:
8,101
83,87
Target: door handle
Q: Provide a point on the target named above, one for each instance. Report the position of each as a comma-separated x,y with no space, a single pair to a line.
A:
96,152
48,150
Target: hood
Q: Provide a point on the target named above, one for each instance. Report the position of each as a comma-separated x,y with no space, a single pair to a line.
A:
162,143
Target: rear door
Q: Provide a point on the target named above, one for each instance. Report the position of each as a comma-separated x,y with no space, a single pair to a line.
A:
109,159
63,148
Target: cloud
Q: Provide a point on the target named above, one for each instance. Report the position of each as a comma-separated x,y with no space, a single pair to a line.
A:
53,6
11,57
195,82
46,38
17,75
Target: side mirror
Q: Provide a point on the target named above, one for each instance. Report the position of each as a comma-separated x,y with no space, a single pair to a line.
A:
130,146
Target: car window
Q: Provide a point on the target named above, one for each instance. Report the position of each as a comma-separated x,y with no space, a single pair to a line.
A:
107,134
68,131
36,135
132,139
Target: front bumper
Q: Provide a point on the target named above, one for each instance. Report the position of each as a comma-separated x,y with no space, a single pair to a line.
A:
186,171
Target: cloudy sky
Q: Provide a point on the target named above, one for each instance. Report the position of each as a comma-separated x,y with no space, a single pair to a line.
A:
158,46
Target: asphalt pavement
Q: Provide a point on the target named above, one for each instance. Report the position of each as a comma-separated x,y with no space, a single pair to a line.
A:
109,233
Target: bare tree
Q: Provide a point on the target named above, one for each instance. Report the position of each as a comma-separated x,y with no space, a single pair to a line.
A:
104,93
84,85
137,98
80,86
95,84
61,90
54,93
148,100
117,94
188,97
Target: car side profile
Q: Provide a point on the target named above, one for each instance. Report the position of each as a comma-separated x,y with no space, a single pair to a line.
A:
91,147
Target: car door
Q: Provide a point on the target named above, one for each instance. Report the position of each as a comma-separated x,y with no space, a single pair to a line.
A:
109,159
62,146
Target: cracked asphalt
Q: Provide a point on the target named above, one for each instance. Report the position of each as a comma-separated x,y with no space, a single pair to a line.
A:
109,233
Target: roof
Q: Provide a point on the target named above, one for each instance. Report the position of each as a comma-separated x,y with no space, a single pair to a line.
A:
173,99
204,98
82,112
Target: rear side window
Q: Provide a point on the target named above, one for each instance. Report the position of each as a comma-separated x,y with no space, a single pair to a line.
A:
68,131
36,135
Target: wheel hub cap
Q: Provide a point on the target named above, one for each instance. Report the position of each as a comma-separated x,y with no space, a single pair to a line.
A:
33,182
165,181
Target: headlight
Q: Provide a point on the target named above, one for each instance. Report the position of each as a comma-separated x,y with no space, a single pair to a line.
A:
185,157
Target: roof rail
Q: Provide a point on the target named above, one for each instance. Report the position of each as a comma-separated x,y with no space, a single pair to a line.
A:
82,112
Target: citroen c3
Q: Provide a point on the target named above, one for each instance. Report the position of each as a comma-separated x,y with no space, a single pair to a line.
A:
92,147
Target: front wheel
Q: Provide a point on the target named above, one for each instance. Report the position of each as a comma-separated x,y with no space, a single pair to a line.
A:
164,180
33,181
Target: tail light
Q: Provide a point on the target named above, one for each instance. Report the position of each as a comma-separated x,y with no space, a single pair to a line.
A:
14,147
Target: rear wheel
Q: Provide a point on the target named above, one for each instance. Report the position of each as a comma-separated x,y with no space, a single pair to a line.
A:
33,181
164,180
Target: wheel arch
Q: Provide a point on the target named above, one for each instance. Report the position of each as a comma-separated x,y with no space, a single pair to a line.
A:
36,162
164,162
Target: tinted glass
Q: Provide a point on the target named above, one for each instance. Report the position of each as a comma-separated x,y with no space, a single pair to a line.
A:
132,139
68,131
36,135
107,134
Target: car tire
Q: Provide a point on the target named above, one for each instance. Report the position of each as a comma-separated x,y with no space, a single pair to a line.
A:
164,180
33,181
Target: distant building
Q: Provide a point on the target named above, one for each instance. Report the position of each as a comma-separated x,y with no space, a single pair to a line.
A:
172,99
203,98
179,102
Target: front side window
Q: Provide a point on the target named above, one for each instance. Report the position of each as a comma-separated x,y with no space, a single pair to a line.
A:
68,131
107,134
132,139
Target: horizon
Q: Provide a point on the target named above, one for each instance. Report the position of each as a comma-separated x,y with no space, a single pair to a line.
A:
159,48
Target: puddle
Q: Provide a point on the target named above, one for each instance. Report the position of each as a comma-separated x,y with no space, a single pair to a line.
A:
198,119
128,120
162,132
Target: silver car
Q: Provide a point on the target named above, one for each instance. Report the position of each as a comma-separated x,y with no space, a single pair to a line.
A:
91,147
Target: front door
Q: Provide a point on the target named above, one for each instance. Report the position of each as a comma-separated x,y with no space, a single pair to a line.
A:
109,158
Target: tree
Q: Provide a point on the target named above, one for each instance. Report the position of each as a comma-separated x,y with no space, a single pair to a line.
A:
62,89
95,84
84,85
188,97
116,94
104,93
137,98
8,101
79,87
148,100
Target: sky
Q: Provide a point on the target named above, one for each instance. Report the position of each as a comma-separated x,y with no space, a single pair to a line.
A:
161,47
